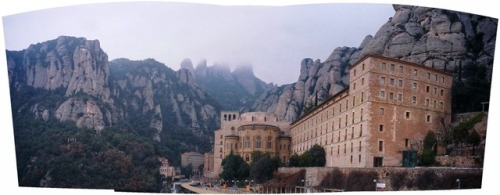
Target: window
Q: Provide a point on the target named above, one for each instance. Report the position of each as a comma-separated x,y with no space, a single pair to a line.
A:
360,146
247,157
351,159
407,115
428,118
362,81
258,142
361,115
382,94
338,149
382,66
354,72
427,102
391,95
434,90
352,148
359,158
435,77
391,81
400,97
400,83
382,80
442,79
377,161
414,99
442,92
392,67
360,130
354,86
406,142
415,73
401,69
381,111
435,104
352,133
380,146
427,89
441,105
414,86
362,94
220,149
247,142
428,75
381,128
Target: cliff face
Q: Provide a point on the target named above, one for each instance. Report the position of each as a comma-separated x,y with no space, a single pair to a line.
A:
441,39
71,80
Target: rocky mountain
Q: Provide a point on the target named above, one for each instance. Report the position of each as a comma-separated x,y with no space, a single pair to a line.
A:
457,42
71,80
236,90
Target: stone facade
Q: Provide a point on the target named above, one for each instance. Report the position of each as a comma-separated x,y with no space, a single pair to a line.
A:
208,165
193,158
165,169
252,131
388,108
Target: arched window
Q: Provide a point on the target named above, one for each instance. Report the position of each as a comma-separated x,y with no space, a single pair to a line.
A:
247,141
257,142
269,142
247,157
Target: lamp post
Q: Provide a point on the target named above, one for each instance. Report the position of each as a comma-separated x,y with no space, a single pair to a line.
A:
375,182
458,183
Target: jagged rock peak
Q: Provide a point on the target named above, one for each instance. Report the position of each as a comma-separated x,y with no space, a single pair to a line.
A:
188,65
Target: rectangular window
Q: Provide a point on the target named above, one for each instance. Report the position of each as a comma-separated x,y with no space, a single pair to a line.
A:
363,67
392,67
352,133
400,83
345,148
414,86
391,95
352,149
415,73
338,149
382,94
442,92
426,102
354,86
380,146
359,158
381,111
382,80
407,115
434,90
381,128
435,104
429,75
442,79
400,97
382,66
351,159
354,72
378,161
435,77
406,143
391,81
427,89
441,105
360,146
414,99
360,130
428,118
401,69
362,95
362,81
361,115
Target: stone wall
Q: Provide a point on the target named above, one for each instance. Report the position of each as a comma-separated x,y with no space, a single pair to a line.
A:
314,175
459,161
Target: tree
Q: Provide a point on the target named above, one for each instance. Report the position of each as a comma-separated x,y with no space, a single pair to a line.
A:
234,167
428,155
318,156
305,159
473,139
294,160
262,169
187,170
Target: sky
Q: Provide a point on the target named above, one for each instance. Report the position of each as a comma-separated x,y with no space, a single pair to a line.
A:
272,39
271,36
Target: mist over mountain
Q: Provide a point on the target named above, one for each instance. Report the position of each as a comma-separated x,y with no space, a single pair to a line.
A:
236,90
